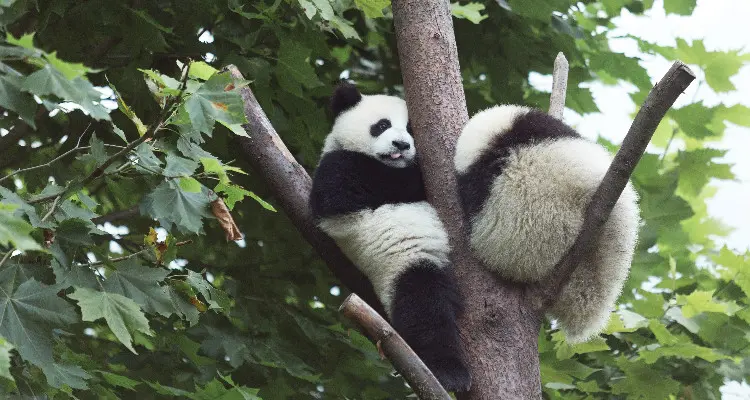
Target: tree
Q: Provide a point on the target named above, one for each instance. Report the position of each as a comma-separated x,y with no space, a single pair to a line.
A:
261,320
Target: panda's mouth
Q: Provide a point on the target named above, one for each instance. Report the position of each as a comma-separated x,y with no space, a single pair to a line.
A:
392,156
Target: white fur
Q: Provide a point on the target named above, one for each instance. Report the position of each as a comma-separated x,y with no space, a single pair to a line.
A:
534,212
385,241
481,129
351,131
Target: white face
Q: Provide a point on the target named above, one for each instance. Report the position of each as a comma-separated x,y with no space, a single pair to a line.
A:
376,126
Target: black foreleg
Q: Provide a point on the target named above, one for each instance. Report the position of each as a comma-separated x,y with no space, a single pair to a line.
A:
425,308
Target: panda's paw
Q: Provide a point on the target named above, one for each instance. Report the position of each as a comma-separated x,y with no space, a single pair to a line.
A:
452,374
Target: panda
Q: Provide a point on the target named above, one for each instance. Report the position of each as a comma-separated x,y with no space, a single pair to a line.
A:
525,180
368,195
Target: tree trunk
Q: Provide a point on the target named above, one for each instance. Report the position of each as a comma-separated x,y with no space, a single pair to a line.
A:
499,327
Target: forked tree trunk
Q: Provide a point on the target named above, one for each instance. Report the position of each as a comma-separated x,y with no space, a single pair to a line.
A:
499,327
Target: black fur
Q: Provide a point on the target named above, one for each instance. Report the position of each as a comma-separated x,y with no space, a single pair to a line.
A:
344,97
532,127
348,181
425,309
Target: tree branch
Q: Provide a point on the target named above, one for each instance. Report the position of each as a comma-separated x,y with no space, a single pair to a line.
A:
499,328
559,86
659,100
403,358
122,214
291,185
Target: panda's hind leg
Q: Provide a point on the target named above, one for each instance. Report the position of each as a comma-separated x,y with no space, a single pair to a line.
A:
424,311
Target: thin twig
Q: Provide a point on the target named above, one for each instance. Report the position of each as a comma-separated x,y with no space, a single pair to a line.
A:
52,208
559,86
6,257
658,102
127,213
407,363
129,256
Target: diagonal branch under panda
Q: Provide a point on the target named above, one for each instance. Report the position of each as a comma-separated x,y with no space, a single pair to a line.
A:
291,185
406,362
659,100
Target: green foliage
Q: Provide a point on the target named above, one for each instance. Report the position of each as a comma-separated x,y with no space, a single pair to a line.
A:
121,283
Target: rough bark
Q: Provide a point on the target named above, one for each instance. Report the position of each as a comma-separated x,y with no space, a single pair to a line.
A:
393,346
499,328
291,185
559,86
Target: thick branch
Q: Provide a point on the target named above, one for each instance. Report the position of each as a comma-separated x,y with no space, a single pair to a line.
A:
403,358
113,216
499,328
659,100
291,185
559,86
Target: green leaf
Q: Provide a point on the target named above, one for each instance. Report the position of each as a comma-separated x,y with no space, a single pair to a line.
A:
697,169
736,114
236,193
119,380
372,8
65,374
15,230
140,284
621,66
540,10
738,267
625,321
70,70
215,297
642,381
5,348
201,70
12,98
214,100
181,305
470,11
49,80
694,119
565,350
293,70
178,166
174,206
121,313
190,185
700,302
28,314
679,7
685,351
125,109
74,275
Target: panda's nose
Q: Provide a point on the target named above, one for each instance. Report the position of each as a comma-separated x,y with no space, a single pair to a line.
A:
401,145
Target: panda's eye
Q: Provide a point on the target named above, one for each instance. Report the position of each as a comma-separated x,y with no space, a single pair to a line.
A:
379,127
408,127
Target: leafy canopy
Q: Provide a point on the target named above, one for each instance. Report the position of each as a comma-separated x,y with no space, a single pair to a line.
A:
119,134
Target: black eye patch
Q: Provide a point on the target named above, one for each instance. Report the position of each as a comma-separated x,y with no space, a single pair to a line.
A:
408,128
379,127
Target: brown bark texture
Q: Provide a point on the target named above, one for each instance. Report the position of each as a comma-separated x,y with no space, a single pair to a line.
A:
499,328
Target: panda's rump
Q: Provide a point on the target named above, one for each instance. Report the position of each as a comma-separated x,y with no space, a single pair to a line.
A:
535,207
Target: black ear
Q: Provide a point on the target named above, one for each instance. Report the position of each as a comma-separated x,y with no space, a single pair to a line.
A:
344,97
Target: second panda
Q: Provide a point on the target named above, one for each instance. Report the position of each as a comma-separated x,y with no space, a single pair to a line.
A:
525,180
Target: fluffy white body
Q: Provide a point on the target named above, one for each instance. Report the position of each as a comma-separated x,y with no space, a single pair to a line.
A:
534,209
386,241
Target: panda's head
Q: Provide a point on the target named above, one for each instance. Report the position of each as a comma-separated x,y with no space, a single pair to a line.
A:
376,125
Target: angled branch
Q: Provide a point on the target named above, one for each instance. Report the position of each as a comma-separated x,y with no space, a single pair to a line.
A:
659,100
291,185
407,363
115,215
559,86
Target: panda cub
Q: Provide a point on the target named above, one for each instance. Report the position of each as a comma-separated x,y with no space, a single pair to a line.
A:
525,179
369,197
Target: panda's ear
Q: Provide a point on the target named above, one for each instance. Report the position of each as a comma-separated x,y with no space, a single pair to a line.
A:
344,97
